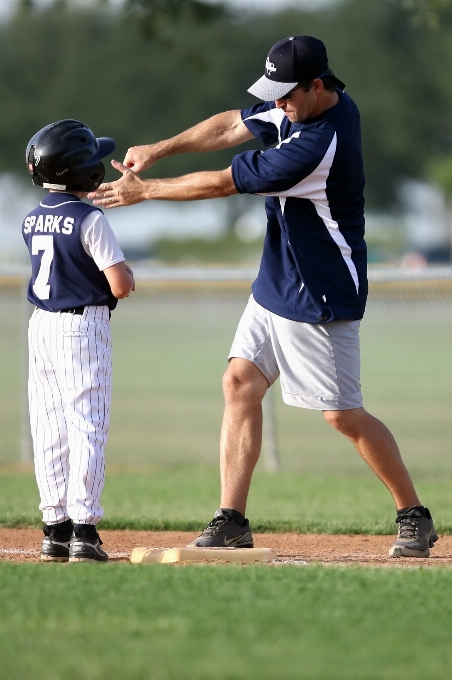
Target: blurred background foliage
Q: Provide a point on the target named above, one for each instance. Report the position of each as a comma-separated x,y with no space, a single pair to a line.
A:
146,69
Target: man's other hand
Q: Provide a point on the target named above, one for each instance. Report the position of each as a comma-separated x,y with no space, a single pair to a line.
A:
127,190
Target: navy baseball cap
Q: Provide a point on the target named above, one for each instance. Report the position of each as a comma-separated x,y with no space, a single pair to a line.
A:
289,62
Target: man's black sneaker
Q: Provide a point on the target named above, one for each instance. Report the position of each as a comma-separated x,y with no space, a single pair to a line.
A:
55,545
416,534
85,545
223,532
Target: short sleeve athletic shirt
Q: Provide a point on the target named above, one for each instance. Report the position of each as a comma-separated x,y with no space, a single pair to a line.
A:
314,262
70,244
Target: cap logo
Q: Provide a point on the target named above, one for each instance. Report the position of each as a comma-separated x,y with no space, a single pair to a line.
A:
269,66
37,159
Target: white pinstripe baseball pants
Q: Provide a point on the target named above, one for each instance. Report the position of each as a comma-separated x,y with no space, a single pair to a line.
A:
69,390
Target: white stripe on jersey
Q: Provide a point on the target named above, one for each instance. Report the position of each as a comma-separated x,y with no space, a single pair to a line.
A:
275,116
323,210
313,188
58,205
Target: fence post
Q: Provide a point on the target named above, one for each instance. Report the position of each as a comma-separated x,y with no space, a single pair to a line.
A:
26,446
269,436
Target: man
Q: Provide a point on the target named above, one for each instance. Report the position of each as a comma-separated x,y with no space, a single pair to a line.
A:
302,320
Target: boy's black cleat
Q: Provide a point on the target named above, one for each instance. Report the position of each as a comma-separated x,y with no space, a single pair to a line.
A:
55,545
416,533
223,532
85,545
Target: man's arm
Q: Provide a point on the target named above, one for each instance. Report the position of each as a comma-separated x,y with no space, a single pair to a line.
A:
219,132
131,188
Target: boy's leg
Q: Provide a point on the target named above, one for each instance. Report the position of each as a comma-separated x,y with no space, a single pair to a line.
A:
47,422
85,371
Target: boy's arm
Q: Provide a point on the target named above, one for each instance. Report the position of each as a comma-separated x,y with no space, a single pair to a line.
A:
120,279
100,243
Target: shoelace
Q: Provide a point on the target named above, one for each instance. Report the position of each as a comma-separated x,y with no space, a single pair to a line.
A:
409,526
215,525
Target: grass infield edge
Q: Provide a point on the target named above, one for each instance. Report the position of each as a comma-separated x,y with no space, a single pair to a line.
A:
257,526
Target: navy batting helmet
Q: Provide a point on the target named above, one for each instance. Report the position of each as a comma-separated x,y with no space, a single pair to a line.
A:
67,155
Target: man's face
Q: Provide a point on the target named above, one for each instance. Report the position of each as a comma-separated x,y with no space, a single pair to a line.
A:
299,105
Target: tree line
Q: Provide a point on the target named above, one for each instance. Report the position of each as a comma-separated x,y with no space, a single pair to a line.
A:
153,68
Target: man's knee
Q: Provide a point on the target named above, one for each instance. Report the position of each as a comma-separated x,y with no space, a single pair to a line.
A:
244,382
345,422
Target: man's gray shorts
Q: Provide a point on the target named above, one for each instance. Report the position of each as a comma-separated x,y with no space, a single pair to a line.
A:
319,364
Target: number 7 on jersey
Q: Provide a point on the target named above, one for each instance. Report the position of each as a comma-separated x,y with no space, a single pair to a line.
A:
41,286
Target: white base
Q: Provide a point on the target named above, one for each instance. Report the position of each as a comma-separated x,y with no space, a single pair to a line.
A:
173,555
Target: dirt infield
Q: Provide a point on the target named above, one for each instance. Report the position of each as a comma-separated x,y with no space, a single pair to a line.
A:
23,545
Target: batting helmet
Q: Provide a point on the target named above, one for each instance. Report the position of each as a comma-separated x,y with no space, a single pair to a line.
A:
67,155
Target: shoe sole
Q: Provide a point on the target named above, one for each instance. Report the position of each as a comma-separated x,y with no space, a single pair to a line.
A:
243,541
49,558
72,560
402,551
238,545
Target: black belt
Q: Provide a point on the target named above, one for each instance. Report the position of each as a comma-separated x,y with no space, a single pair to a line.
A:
74,310
79,310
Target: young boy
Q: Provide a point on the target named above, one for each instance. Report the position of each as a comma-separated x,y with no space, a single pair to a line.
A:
78,274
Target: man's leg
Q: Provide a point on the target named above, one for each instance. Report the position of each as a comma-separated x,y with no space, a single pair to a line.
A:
376,445
244,387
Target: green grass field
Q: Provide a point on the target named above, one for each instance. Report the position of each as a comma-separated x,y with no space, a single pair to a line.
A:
119,621
114,622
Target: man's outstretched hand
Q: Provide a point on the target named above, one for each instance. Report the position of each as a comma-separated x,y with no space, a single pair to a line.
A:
127,190
139,158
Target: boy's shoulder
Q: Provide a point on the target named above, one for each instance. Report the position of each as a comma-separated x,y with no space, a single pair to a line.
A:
64,214
65,203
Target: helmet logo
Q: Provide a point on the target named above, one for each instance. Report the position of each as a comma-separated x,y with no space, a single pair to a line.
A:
37,159
269,66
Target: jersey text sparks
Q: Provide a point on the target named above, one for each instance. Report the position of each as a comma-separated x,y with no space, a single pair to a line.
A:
49,224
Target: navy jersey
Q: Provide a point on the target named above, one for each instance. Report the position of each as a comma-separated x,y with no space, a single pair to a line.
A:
63,274
314,262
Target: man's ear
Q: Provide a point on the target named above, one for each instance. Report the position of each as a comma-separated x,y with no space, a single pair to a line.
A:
318,85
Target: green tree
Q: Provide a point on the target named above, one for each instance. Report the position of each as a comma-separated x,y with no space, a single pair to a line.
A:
99,65
426,12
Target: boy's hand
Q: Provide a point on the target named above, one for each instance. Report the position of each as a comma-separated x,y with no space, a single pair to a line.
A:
127,190
131,275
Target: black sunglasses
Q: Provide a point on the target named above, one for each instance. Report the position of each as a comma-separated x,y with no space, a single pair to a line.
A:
289,94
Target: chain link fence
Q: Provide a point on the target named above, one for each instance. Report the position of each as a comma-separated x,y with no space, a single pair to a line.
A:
171,340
